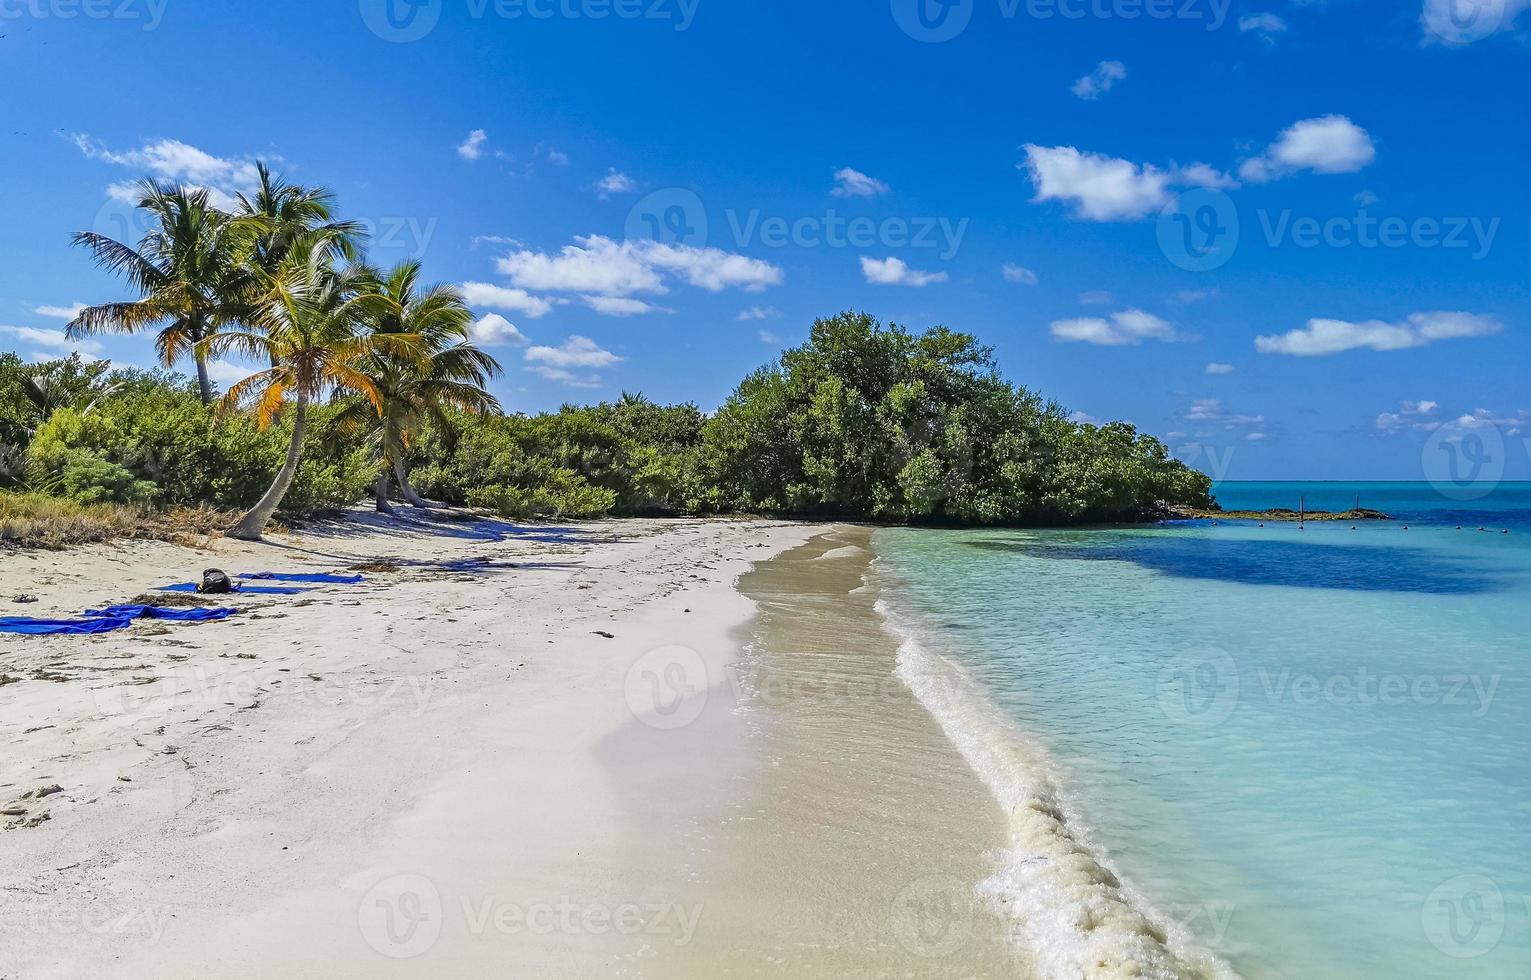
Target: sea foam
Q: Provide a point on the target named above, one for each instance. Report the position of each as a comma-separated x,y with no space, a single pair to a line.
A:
1068,907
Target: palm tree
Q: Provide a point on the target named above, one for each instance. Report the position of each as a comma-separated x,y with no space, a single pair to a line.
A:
70,383
307,320
188,271
293,217
446,372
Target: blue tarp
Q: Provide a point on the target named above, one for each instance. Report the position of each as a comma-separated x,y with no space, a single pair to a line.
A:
251,589
307,577
27,626
106,620
158,612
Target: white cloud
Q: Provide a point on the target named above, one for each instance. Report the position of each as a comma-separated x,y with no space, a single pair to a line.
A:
595,265
601,266
622,306
483,294
1410,415
1018,273
1216,368
478,240
52,343
493,330
566,377
577,351
767,337
893,272
1211,410
1195,295
1483,418
1266,26
1322,336
1095,297
1324,145
1083,418
472,148
616,182
1101,188
1124,329
759,313
710,268
1255,437
1366,199
60,312
555,363
229,373
1204,175
1464,21
177,162
558,157
1099,81
854,183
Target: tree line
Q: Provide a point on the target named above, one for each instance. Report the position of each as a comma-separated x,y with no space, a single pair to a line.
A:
373,384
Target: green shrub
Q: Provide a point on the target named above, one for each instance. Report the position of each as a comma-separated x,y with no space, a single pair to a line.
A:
87,478
158,431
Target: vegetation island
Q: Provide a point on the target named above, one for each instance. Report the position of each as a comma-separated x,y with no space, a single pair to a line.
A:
370,384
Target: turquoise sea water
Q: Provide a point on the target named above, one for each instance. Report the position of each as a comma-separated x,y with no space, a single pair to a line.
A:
1305,752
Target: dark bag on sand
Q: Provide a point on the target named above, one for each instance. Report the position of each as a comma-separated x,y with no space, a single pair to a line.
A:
214,582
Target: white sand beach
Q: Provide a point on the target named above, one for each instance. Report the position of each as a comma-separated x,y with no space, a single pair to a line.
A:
449,767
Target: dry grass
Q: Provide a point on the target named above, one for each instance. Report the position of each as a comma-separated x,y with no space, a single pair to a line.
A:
375,566
32,520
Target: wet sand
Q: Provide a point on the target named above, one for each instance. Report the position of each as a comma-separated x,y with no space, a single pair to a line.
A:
855,847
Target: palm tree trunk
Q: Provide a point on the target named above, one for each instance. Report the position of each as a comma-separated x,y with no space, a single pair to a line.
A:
252,524
402,475
202,380
383,506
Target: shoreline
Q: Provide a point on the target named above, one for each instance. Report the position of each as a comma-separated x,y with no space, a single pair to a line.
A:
857,848
1063,898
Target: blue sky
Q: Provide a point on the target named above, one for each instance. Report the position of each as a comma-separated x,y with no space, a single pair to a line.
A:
658,195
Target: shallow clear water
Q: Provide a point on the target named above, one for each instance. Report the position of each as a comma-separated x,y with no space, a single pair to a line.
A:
1309,749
